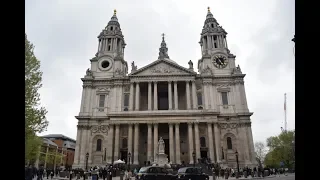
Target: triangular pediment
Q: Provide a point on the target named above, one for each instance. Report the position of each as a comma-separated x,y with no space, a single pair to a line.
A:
162,67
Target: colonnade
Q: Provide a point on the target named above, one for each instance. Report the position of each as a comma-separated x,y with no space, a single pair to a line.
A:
174,141
134,99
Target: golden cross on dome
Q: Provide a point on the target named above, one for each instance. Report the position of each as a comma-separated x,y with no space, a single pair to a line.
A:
115,12
163,35
208,9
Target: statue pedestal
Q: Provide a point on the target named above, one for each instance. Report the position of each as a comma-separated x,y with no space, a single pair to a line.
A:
162,159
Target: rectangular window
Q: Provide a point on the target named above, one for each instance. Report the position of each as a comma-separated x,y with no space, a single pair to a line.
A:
101,100
224,96
126,100
199,99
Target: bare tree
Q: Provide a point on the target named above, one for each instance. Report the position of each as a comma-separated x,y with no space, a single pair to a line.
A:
260,150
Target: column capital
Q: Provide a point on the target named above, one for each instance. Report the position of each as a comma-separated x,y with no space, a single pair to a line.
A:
170,124
130,123
189,122
196,122
149,124
155,124
187,81
149,82
193,81
170,81
137,82
209,122
177,123
155,82
175,81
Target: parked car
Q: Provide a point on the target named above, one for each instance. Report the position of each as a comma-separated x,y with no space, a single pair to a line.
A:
154,173
191,173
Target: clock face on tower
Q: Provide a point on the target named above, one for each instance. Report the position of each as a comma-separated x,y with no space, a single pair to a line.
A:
220,61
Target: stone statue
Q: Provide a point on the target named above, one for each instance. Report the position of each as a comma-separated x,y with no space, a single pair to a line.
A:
190,64
133,66
88,72
161,146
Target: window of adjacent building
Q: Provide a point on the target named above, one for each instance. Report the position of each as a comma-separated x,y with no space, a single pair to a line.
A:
229,143
101,100
203,142
98,145
224,96
199,95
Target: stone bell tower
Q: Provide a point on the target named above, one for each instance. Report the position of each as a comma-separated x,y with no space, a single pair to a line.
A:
216,57
109,60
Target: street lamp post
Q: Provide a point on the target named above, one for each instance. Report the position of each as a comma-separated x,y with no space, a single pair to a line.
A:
87,157
129,157
237,165
194,158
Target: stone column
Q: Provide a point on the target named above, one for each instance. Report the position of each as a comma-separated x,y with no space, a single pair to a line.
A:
136,144
77,150
137,96
211,97
251,146
175,89
178,152
171,143
116,142
130,135
83,98
149,96
131,97
197,139
188,95
155,96
149,151
190,137
83,145
194,95
170,94
110,144
155,140
217,141
205,96
210,138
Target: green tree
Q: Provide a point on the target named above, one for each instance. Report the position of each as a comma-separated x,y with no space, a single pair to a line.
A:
281,149
35,120
260,150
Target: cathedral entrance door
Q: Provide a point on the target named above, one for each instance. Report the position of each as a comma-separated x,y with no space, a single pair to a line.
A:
204,154
124,155
166,147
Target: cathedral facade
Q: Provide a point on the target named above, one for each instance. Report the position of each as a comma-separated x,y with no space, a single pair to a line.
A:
200,114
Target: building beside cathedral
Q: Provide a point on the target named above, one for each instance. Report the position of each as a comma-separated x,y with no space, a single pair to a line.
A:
125,112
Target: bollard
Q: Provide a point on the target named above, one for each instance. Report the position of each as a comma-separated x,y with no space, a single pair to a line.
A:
245,174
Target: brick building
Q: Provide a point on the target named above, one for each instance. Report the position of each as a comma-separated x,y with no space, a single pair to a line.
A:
65,145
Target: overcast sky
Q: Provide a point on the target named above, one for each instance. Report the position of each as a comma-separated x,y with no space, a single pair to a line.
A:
65,32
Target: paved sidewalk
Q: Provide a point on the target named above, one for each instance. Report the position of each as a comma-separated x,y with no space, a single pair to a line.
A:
271,176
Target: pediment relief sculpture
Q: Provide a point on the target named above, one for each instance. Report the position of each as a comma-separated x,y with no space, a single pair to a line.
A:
162,69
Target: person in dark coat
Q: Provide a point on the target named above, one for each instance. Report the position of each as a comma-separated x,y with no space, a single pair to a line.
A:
40,173
29,173
110,169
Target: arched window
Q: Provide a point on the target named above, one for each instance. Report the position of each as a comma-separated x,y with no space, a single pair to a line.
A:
99,145
229,143
124,143
203,142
